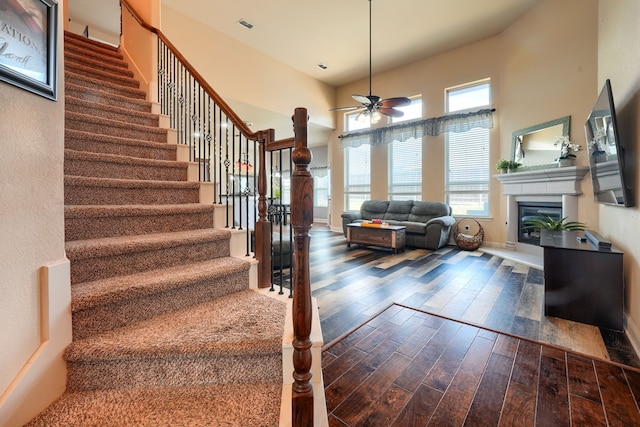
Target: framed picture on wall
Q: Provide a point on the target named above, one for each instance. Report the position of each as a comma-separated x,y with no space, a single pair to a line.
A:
29,45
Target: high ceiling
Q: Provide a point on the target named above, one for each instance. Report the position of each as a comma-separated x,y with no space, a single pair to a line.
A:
305,33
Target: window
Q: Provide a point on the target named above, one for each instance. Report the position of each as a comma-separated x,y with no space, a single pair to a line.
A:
321,186
467,170
357,169
405,159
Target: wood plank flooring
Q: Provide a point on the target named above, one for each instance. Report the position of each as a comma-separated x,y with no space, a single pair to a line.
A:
406,367
352,285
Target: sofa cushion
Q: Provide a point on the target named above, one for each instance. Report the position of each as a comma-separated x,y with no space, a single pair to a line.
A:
415,227
424,211
398,210
371,209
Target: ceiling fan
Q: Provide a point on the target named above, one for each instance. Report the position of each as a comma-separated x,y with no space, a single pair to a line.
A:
372,104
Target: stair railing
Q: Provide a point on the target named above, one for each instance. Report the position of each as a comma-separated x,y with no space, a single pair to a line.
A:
227,152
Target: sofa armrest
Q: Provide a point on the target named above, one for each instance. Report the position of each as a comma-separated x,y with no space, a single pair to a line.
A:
347,218
446,221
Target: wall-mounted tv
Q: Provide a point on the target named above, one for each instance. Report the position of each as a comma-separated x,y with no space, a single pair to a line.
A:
606,152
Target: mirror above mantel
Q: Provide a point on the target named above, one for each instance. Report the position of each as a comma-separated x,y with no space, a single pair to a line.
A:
533,146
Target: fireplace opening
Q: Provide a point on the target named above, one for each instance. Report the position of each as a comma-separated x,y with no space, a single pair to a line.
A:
535,210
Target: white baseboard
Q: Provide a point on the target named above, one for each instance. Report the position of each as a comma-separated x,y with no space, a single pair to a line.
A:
633,332
43,377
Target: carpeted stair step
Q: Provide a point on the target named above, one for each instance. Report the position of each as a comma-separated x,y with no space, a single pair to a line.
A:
81,59
109,87
91,123
106,111
95,222
97,143
226,340
98,165
98,259
213,405
107,304
105,76
75,41
79,190
75,91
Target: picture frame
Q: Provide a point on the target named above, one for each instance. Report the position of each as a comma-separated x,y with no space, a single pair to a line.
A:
29,45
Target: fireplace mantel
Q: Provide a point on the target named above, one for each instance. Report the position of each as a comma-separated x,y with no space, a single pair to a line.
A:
544,185
555,181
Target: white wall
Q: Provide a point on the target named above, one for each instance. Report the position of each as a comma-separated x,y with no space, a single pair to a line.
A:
32,372
619,61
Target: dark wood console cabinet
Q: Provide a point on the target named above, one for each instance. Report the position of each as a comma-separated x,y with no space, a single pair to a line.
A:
581,282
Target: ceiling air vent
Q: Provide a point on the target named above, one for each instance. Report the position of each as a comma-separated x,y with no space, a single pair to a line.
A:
245,23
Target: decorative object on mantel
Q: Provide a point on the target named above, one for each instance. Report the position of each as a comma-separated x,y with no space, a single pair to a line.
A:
503,165
462,234
567,158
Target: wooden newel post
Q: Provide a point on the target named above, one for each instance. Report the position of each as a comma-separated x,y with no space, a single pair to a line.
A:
263,227
301,220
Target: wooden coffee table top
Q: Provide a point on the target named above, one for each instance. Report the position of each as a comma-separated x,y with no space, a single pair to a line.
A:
386,227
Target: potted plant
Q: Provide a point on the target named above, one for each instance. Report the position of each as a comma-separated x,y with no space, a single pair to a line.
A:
567,158
514,165
548,223
503,165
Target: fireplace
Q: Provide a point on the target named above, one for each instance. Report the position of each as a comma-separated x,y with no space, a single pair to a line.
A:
538,210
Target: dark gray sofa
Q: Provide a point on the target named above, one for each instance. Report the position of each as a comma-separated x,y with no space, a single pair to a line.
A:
428,223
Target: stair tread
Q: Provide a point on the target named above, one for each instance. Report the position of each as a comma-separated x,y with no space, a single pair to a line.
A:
93,105
110,123
80,211
109,246
115,289
101,83
97,94
116,158
216,404
227,325
117,139
127,183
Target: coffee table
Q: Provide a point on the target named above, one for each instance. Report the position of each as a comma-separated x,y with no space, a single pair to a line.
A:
384,236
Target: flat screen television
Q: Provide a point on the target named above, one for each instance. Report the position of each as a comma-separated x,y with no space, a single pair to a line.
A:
606,152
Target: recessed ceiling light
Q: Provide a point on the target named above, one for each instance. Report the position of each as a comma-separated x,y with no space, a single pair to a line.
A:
322,66
248,25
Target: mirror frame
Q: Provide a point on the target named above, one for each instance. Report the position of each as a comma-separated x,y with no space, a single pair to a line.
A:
566,127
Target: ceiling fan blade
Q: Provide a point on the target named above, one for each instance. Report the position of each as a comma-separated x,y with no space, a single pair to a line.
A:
388,111
364,100
395,102
346,108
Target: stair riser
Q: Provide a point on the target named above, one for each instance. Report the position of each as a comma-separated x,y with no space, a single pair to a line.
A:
104,76
86,46
102,86
106,113
111,316
94,126
172,372
109,146
98,169
96,268
92,195
80,59
113,226
82,93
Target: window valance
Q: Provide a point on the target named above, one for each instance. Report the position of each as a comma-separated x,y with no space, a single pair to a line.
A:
418,128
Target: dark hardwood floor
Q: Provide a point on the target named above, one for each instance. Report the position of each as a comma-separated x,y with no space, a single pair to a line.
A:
405,367
353,285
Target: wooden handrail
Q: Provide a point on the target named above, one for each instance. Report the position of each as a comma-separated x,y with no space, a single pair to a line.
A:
235,119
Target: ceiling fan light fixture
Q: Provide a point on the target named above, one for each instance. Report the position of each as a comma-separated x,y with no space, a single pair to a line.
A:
372,103
375,117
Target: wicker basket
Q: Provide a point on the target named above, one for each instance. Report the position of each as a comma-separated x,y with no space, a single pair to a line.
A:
467,242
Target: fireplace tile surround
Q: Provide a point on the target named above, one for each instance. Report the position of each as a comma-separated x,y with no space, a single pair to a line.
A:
554,185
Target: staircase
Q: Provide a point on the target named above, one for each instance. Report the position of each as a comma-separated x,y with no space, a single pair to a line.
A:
165,328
